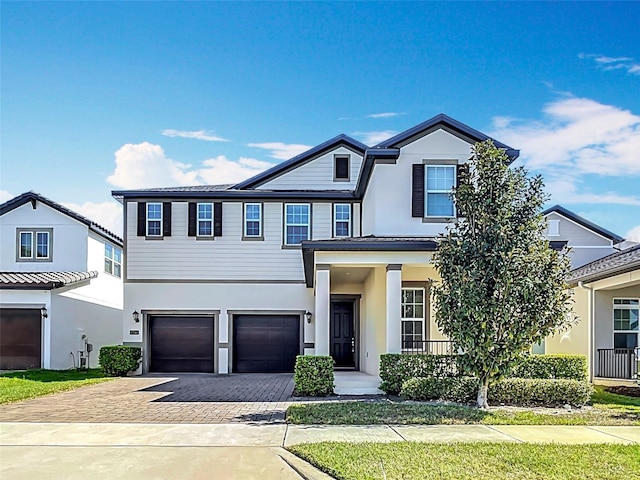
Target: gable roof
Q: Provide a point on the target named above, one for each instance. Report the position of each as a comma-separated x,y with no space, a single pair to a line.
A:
584,222
298,160
36,197
42,280
620,262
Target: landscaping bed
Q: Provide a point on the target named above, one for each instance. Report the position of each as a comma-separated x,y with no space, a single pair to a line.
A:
622,390
461,461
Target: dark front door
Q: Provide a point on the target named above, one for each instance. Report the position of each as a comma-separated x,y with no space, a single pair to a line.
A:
181,344
343,337
265,343
20,338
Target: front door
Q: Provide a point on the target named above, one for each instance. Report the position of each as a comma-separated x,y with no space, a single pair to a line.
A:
343,338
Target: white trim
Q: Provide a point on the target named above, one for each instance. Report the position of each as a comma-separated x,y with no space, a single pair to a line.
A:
20,233
573,247
413,319
48,245
613,319
335,221
198,219
427,191
112,259
553,228
259,220
308,224
147,220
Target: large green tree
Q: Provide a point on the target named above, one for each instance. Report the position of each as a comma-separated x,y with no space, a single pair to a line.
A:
503,287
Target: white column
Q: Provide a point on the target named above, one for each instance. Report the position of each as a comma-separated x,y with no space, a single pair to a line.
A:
321,314
394,293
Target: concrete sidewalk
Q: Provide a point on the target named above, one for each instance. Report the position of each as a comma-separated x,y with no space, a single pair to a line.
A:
156,451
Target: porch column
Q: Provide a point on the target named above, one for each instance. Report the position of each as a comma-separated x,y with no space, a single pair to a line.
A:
322,306
394,294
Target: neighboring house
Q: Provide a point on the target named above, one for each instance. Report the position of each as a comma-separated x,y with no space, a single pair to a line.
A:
607,302
586,240
327,253
60,286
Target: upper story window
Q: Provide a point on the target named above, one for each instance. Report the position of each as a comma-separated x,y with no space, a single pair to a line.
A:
205,219
439,183
34,245
113,260
625,322
554,228
154,219
342,219
412,316
297,223
253,220
341,168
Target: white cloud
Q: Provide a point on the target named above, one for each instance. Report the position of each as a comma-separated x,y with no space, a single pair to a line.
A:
105,214
613,63
566,190
145,165
198,135
384,115
4,196
373,138
633,234
282,151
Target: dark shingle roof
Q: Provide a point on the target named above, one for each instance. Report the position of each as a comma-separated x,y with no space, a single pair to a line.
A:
42,280
616,263
584,222
189,188
36,197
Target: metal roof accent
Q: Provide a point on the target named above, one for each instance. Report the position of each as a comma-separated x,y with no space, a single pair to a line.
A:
620,262
344,195
42,280
584,222
34,197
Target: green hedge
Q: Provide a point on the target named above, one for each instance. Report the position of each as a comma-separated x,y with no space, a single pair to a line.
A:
509,391
397,368
118,360
313,376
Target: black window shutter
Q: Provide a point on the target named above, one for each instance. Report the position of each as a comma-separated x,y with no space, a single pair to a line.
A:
461,170
142,219
217,219
192,219
166,219
417,190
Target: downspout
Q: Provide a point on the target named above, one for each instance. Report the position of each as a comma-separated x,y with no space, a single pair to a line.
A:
591,326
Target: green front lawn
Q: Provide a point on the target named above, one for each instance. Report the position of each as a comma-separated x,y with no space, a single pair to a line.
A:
608,409
16,386
473,461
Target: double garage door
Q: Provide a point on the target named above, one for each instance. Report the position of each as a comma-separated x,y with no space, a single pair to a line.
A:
20,339
261,343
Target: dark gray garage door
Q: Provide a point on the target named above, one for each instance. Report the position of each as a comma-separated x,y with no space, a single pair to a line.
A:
265,343
20,339
181,344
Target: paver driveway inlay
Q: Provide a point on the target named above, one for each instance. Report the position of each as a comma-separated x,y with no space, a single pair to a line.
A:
182,398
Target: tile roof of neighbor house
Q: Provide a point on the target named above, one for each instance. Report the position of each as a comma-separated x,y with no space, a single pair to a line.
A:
584,222
42,280
620,262
36,197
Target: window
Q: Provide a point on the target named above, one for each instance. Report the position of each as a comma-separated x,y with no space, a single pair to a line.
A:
296,223
439,183
34,245
205,219
154,219
113,260
625,322
341,168
342,220
253,220
554,228
412,316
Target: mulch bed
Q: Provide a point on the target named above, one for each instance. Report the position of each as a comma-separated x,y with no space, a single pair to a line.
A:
628,391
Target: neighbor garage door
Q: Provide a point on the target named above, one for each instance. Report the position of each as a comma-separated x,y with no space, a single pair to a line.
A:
181,344
265,343
20,339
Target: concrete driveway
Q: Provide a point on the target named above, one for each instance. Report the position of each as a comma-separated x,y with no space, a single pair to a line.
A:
183,398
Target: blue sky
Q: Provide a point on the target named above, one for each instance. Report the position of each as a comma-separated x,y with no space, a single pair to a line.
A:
102,96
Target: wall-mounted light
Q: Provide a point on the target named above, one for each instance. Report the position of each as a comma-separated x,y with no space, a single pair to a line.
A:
43,312
136,316
308,316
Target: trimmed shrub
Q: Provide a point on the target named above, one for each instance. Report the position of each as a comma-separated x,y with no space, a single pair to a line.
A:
118,360
396,368
313,376
509,391
569,367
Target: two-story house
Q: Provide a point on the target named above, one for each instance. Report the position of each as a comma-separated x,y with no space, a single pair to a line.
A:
60,286
327,253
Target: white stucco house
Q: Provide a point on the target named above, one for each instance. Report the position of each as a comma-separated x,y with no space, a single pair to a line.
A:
60,286
328,253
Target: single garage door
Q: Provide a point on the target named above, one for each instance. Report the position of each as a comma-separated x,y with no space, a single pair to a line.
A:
265,343
20,339
181,344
